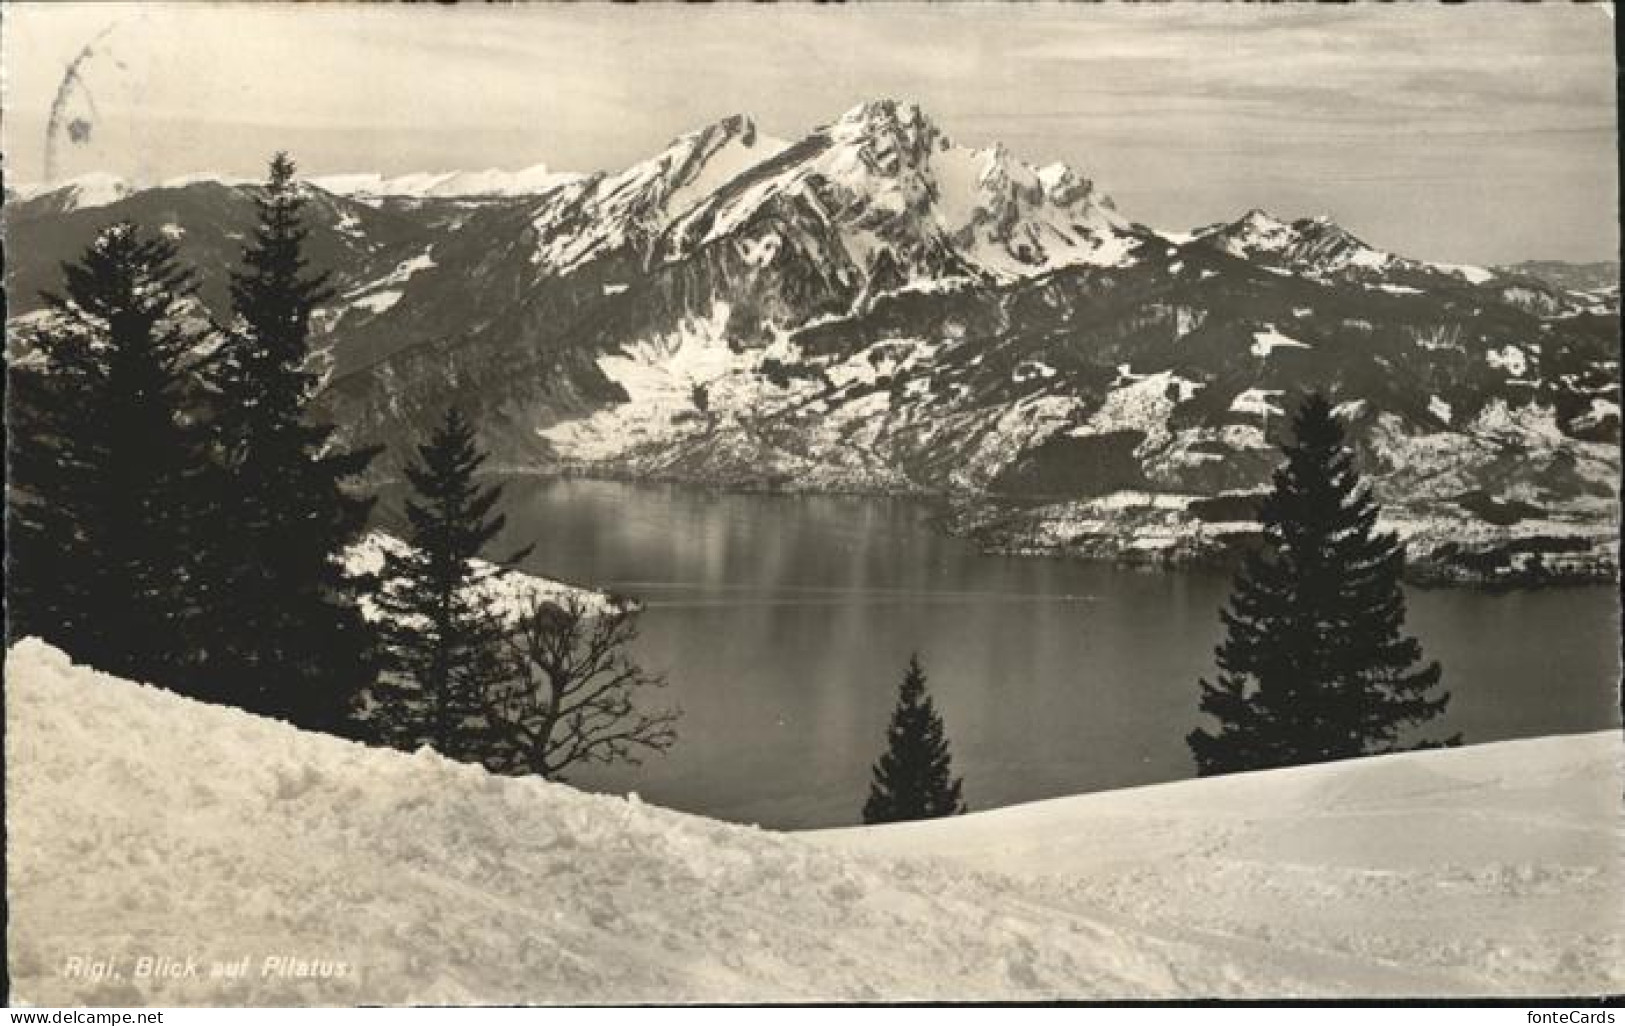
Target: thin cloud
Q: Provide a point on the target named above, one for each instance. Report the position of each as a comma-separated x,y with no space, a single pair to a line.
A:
1191,111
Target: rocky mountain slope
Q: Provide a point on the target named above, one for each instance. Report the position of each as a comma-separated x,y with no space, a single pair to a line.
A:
1595,277
876,307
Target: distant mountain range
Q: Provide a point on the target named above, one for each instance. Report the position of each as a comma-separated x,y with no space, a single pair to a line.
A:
874,307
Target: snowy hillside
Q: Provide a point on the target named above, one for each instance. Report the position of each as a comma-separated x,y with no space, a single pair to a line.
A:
1490,869
141,823
512,593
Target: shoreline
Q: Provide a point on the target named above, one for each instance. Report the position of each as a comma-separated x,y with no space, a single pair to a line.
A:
1153,531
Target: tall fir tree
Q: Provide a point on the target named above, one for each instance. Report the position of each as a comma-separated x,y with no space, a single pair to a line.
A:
443,639
1314,666
914,777
108,465
288,631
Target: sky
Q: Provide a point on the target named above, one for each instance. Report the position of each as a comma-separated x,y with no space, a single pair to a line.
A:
1482,133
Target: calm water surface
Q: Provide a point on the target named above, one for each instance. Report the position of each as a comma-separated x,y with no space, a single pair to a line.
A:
784,624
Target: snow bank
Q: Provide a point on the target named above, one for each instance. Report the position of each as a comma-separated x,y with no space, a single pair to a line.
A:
1490,869
511,592
143,824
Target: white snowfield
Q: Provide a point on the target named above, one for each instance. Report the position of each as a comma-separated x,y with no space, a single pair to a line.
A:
145,825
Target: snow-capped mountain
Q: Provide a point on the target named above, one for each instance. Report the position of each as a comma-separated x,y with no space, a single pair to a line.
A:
97,189
876,307
1600,276
468,185
626,213
1312,245
899,203
1318,246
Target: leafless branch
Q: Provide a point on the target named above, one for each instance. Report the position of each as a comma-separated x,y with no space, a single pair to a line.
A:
573,687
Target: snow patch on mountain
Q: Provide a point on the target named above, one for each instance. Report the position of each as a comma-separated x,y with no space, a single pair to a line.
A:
1269,340
377,302
1144,404
1468,272
1508,358
381,293
1031,370
1259,402
663,377
884,359
1422,466
1530,422
1600,412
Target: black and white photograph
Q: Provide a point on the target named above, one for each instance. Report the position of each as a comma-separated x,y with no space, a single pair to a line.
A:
794,504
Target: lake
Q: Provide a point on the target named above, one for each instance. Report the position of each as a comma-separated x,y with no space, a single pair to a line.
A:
784,623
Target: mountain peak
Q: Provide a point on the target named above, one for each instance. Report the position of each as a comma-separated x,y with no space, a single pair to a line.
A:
1317,244
900,120
92,189
740,127
884,110
890,186
1258,217
1322,231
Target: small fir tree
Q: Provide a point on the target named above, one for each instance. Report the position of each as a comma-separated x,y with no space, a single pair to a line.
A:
1314,666
444,639
914,777
108,461
288,631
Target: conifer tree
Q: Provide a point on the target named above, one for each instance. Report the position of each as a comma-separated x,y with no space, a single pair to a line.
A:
108,463
1314,666
444,641
288,633
914,777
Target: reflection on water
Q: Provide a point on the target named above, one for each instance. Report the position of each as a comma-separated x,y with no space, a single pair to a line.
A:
784,624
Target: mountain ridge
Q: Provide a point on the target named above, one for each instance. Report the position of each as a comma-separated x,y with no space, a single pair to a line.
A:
873,307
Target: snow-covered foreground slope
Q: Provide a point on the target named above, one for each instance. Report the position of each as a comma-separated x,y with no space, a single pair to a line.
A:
1490,869
144,824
